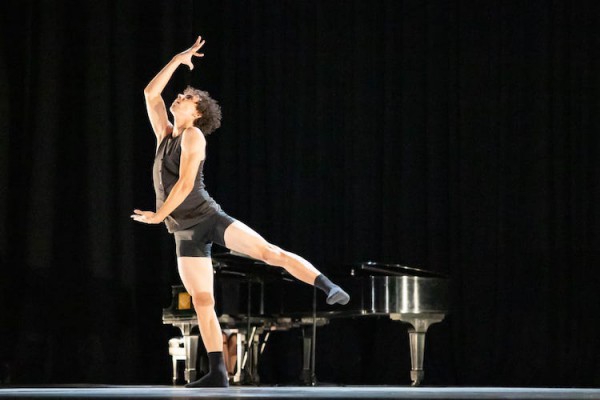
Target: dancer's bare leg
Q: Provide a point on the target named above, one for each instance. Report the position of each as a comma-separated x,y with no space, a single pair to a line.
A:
197,276
243,239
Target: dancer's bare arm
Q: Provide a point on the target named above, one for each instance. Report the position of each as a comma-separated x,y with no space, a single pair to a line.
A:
193,148
155,105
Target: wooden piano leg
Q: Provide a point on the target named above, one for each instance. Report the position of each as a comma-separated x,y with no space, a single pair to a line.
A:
416,334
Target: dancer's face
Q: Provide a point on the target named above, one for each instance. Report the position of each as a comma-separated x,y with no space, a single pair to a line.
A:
185,106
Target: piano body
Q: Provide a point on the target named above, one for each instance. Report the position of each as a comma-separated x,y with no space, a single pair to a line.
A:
253,299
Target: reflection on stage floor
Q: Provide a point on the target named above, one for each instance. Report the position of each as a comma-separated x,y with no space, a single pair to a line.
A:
296,392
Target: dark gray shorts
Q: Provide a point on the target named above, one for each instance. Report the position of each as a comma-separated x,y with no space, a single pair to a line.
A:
196,241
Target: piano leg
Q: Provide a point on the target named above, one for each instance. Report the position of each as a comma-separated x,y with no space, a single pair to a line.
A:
416,334
417,351
177,352
309,339
191,350
307,375
174,370
255,349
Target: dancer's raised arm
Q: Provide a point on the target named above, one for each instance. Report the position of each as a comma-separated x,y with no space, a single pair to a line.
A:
155,105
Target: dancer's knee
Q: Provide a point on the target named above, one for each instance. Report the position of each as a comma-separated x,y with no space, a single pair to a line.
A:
272,255
203,300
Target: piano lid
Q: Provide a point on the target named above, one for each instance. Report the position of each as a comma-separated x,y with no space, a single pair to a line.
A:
377,268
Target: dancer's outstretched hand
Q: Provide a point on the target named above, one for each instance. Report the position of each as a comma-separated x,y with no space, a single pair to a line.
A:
185,57
147,217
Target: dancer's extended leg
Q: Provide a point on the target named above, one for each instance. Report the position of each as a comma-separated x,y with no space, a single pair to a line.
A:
241,238
197,276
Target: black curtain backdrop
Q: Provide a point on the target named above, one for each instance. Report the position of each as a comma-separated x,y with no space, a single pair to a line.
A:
458,136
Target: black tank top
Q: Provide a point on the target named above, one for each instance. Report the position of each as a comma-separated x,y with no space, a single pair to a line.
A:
197,205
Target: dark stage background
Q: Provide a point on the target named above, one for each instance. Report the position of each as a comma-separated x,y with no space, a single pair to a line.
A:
459,136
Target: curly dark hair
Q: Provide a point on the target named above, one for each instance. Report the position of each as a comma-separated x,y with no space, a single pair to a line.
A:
209,108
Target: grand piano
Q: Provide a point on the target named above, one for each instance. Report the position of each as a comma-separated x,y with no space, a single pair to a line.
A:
254,299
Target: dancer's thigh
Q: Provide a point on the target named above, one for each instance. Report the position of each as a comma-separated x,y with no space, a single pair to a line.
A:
243,239
196,274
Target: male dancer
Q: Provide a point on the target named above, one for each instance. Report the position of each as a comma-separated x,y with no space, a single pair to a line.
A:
194,218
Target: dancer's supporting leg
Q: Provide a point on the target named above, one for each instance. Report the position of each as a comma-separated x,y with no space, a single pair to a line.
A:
197,276
241,238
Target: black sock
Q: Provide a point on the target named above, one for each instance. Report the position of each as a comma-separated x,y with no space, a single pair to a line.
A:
335,294
217,373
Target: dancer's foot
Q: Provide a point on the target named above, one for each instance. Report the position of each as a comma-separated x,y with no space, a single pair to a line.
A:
212,379
335,294
217,375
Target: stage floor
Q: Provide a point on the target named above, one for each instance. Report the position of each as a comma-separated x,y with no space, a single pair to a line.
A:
297,392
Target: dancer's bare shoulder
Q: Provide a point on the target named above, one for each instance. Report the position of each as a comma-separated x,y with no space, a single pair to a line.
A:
193,140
